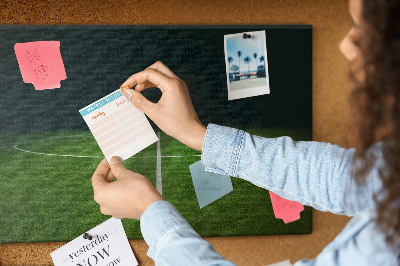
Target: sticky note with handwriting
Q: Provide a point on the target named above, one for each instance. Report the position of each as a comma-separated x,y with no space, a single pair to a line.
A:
209,186
41,63
287,210
108,246
118,126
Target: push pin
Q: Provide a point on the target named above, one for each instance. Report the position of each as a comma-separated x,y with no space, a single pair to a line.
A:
87,236
246,36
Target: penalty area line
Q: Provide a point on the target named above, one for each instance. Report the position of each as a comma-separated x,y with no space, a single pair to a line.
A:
51,154
85,156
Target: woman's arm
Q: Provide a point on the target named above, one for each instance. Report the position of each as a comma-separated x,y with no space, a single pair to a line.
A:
172,241
312,173
315,174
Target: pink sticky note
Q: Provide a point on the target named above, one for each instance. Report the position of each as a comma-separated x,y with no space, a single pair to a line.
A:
41,64
288,211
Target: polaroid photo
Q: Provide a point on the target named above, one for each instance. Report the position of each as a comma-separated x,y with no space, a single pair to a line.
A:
246,64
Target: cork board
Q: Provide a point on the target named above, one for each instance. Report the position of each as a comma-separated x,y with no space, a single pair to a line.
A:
330,91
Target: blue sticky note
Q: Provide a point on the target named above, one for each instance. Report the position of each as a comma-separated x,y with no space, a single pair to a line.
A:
209,186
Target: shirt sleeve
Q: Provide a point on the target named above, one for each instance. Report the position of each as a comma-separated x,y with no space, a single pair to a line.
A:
312,173
172,241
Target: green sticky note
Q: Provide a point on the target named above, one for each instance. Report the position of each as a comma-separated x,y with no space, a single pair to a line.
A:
209,186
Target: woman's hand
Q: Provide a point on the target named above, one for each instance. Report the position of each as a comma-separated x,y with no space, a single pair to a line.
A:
128,196
173,113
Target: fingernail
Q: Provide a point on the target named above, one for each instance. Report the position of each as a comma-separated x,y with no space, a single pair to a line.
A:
115,160
129,93
124,88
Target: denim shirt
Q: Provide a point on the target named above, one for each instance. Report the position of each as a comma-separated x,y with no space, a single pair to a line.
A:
312,173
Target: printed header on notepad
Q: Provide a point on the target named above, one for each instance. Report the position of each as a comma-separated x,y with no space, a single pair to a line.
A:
103,101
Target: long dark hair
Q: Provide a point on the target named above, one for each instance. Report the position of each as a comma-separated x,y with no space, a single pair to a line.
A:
375,103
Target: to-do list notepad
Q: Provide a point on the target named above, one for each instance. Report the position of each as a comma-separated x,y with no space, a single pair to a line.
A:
118,126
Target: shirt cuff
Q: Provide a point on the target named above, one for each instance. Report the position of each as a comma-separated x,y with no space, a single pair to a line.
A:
222,147
158,219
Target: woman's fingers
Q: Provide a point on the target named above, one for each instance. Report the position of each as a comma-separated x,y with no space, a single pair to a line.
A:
143,86
100,174
110,177
160,67
148,82
174,112
158,79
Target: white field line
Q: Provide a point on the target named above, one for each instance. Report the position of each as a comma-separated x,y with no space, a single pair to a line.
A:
83,156
159,180
51,154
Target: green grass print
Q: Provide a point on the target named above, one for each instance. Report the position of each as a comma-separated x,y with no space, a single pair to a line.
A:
50,197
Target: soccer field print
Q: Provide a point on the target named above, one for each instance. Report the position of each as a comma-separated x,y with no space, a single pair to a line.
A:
41,63
246,64
118,126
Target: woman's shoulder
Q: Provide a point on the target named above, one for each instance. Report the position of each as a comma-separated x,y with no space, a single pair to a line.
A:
362,240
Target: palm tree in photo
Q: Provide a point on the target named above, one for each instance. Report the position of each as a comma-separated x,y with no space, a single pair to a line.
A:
239,54
262,59
230,60
255,57
247,60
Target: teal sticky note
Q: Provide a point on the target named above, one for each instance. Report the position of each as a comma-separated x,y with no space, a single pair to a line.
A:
209,186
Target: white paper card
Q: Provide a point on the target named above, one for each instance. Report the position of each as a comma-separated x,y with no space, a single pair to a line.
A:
118,126
108,247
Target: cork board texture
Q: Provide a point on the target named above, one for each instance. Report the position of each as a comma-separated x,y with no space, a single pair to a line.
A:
330,23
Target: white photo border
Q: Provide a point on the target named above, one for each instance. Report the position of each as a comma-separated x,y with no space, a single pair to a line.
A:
247,92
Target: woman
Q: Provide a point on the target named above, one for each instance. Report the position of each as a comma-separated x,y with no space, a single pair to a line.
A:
360,182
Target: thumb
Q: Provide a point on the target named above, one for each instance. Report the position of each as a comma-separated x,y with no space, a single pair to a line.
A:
138,100
117,167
